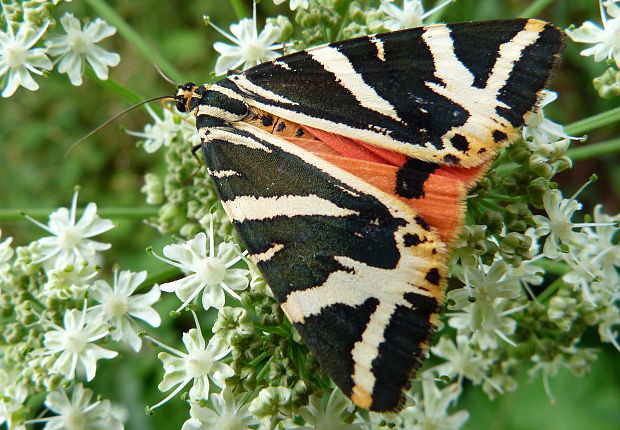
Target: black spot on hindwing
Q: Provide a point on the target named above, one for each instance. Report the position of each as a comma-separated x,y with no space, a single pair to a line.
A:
412,239
433,276
460,142
411,177
499,136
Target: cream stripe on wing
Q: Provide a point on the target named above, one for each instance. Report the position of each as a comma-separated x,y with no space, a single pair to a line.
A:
244,83
480,103
510,53
366,350
227,92
387,285
379,45
244,208
222,173
267,255
339,65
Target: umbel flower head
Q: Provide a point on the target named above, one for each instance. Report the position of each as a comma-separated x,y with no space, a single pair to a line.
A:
226,413
210,271
410,15
18,58
78,412
606,40
199,364
75,344
78,45
120,306
250,48
71,243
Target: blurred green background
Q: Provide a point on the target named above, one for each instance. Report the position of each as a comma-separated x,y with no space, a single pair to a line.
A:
36,128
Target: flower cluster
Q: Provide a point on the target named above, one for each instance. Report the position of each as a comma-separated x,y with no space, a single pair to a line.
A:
60,317
26,49
606,45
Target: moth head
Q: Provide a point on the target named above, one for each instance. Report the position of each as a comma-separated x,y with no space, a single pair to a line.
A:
184,95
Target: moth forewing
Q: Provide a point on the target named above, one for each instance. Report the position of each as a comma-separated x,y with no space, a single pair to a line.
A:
450,94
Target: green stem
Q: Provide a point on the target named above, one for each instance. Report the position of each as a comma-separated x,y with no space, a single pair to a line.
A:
160,276
535,8
345,20
240,9
554,267
490,205
42,214
126,93
596,121
594,150
550,290
259,358
507,198
264,370
273,330
141,45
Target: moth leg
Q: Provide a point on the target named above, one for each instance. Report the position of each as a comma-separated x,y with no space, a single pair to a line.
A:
199,159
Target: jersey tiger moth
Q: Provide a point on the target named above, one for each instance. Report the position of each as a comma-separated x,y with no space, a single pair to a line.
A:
344,169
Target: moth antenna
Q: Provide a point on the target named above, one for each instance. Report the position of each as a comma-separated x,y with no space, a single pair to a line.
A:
164,76
113,118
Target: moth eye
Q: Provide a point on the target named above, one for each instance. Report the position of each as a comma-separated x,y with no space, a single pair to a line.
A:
181,103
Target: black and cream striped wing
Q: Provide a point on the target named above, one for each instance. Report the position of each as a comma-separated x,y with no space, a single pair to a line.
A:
354,269
451,94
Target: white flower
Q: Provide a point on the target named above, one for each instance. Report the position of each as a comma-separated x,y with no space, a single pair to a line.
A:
68,282
75,344
411,15
161,132
586,275
558,225
538,129
119,307
250,48
6,254
78,413
609,317
328,415
606,40
225,414
462,359
484,284
188,133
431,412
485,321
211,271
271,403
79,44
601,240
70,243
18,58
294,4
200,364
13,395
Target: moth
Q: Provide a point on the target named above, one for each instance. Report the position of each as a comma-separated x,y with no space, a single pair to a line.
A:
344,169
